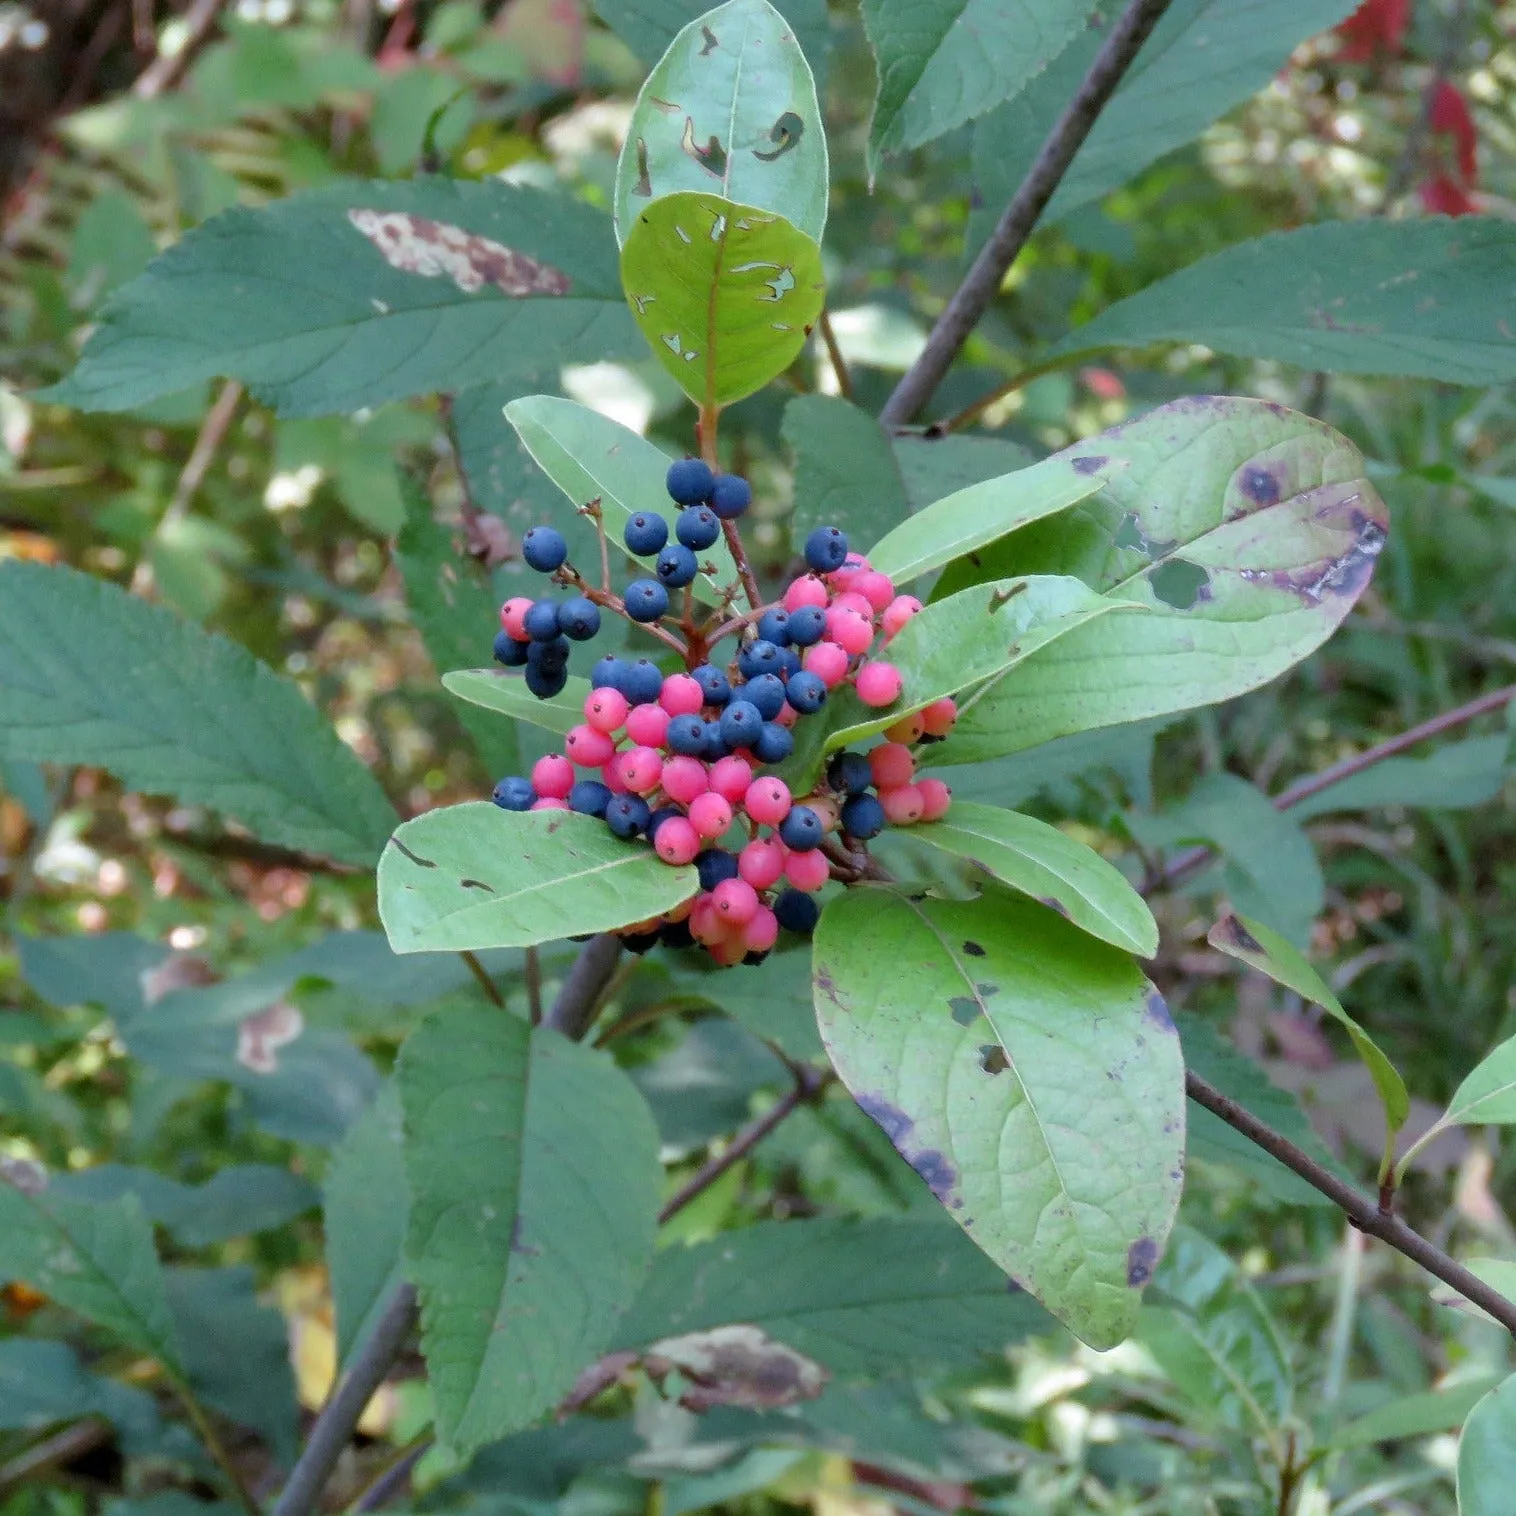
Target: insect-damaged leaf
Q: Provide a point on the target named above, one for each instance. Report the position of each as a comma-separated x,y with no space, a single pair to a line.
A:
730,110
725,295
1028,1073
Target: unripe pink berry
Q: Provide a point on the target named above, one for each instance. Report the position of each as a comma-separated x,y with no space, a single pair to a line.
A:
903,804
588,747
513,616
553,776
806,590
729,952
710,815
891,765
767,800
684,779
936,797
736,900
611,778
909,729
707,924
850,600
606,710
730,778
827,810
677,841
852,632
681,696
788,715
878,589
897,613
827,662
647,725
761,933
853,567
550,803
879,684
762,862
807,871
640,768
937,719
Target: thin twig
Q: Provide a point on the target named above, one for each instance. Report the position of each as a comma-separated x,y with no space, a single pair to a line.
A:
532,973
167,69
982,282
62,1447
975,409
392,1475
205,1429
834,352
487,984
1360,1209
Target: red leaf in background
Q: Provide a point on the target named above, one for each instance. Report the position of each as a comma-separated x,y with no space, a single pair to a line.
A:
1376,26
1448,115
1440,196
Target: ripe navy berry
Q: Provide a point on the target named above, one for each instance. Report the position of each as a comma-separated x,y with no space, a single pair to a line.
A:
641,682
676,566
609,673
801,830
579,618
797,912
646,600
545,683
645,533
544,549
826,549
589,797
548,656
627,815
766,694
805,692
862,816
731,495
774,626
687,736
541,622
514,794
508,651
741,722
806,626
758,657
713,866
849,773
713,683
697,527
774,743
689,481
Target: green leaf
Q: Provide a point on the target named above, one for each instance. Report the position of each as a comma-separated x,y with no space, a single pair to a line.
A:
1498,1273
590,457
496,690
1204,57
974,517
1271,506
1266,951
936,466
357,293
943,62
647,27
1420,298
1029,1074
725,295
729,111
367,1205
1038,860
175,711
1487,1454
774,1005
1462,774
534,1178
475,876
845,470
95,1260
1420,1415
43,1382
703,1088
860,1297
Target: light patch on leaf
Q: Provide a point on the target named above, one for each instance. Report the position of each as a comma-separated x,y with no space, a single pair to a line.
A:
24,1174
735,1365
433,249
182,971
260,1037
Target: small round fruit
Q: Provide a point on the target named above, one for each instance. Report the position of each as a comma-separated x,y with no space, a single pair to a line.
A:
767,801
677,841
513,616
541,621
765,694
606,709
806,692
758,657
862,817
579,618
641,682
713,683
904,805
676,566
730,777
710,815
731,495
878,589
684,779
806,590
741,722
681,695
849,773
509,652
589,748
648,725
645,533
514,794
938,718
544,549
548,655
807,871
640,769
714,865
627,815
774,743
897,613
550,803
802,830
545,683
553,776
807,625
589,797
761,862
796,912
936,798
689,481
646,600
850,630
879,684
697,527
609,673
828,662
761,933
737,901
826,549
908,730
891,765
686,735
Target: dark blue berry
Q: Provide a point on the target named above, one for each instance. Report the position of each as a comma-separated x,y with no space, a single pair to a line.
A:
713,683
805,691
714,866
797,912
514,794
741,722
716,746
589,797
758,657
826,549
544,549
579,618
774,743
646,600
849,773
544,683
642,683
687,736
676,566
730,496
627,815
548,656
676,934
789,663
608,673
541,621
766,693
640,942
807,625
774,626
697,527
801,830
689,481
645,533
862,816
508,651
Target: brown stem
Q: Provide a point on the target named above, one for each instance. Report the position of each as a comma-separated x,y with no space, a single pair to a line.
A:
744,568
205,1429
973,411
532,964
167,69
487,984
834,352
573,1012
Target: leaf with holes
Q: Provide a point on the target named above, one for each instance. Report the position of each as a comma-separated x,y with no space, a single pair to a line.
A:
508,694
648,27
1245,529
1050,866
725,295
534,1178
729,110
590,457
474,876
359,293
1029,1074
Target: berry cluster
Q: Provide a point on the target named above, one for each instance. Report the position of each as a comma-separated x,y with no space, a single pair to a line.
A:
677,758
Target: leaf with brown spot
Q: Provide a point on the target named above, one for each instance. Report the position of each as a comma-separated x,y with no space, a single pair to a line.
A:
735,1365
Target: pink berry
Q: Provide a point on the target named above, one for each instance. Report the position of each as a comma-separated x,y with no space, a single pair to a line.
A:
610,777
897,613
684,779
909,729
878,589
647,725
806,590
553,776
707,924
737,901
788,715
852,632
681,696
762,862
550,803
903,804
588,747
849,600
760,934
827,662
854,566
710,815
513,616
807,871
606,710
729,952
892,765
677,841
767,800
936,797
640,768
730,778
879,684
937,719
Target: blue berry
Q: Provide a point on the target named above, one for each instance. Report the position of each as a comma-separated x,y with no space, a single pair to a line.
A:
541,621
774,743
514,795
714,683
797,912
826,549
801,830
741,722
609,673
730,496
508,651
544,683
774,626
627,815
547,656
687,736
643,682
765,694
805,691
544,549
862,816
640,942
758,658
589,797
716,746
676,566
697,527
676,934
789,663
645,533
689,481
579,618
646,600
849,773
807,625
714,866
